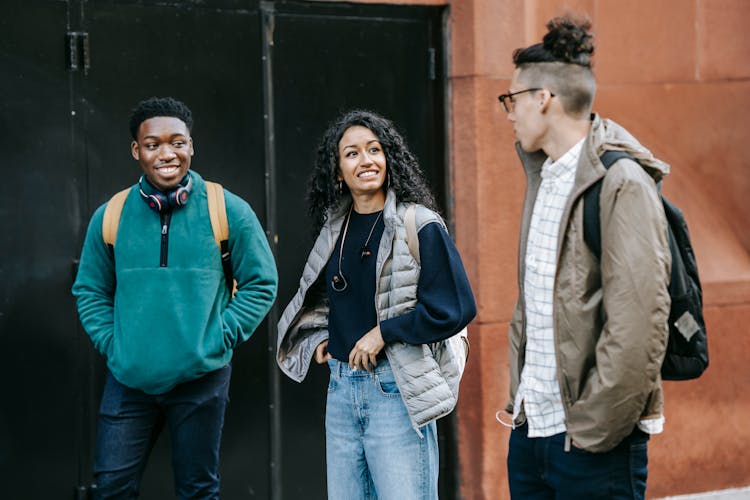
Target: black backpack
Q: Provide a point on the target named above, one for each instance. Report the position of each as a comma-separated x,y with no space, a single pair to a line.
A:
687,348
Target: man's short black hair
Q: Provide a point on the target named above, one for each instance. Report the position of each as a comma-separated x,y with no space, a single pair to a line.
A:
159,106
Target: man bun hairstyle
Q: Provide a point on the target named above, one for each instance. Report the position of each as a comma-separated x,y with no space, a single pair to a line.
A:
562,63
567,41
159,106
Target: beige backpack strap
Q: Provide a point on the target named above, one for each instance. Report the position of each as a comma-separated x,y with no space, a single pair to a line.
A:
217,212
458,345
111,220
410,220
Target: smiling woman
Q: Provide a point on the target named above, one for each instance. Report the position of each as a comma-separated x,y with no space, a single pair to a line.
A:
370,311
362,167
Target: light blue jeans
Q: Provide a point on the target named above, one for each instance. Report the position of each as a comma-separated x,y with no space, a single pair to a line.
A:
372,450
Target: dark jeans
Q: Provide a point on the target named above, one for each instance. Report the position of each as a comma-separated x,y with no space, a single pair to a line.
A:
131,420
540,468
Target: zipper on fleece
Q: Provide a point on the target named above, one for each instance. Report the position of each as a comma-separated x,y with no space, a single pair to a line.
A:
165,219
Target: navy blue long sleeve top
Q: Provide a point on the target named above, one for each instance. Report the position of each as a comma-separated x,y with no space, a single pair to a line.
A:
445,301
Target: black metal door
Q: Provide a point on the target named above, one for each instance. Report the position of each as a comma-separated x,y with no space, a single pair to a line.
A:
326,58
263,80
39,212
208,55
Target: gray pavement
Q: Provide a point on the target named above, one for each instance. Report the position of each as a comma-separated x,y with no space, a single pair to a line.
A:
733,494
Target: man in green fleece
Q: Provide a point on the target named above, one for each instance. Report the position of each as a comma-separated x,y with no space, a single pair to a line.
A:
157,306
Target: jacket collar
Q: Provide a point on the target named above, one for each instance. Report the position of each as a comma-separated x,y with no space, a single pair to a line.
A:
390,210
338,214
604,135
332,227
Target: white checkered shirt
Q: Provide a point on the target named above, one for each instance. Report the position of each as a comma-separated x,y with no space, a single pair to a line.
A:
539,390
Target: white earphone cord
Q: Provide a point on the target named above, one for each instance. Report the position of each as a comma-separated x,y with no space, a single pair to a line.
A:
510,425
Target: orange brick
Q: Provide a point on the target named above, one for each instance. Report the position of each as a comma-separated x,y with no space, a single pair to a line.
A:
701,131
463,44
500,196
645,41
724,50
499,31
483,36
464,176
714,406
488,178
483,442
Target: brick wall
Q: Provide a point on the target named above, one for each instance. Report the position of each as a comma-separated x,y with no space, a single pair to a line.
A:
675,73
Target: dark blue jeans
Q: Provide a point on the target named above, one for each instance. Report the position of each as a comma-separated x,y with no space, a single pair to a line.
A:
540,468
130,421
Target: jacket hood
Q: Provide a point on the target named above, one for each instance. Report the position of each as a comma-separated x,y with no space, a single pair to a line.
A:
606,134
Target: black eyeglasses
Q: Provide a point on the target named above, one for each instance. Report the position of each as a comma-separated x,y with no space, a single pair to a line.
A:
507,99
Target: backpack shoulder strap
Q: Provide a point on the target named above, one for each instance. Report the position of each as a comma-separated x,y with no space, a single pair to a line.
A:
412,239
592,230
459,340
111,220
217,213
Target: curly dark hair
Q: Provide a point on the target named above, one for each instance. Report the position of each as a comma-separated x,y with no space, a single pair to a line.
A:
159,106
567,41
404,177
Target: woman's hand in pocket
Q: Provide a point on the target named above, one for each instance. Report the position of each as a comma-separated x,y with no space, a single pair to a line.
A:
321,353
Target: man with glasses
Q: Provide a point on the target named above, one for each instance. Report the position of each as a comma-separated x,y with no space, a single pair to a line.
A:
588,333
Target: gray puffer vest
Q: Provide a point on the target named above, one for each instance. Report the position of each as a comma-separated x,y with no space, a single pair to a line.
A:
428,391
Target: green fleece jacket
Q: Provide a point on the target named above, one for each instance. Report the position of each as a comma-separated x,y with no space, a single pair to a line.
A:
159,326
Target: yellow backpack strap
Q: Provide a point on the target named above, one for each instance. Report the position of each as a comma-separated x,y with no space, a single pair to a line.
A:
217,212
111,220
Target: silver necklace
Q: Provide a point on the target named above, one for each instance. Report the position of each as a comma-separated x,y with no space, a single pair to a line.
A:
338,282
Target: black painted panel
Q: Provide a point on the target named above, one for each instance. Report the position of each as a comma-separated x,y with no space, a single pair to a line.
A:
327,59
208,57
66,150
39,219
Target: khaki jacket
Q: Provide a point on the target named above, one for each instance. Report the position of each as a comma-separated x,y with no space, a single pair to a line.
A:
610,318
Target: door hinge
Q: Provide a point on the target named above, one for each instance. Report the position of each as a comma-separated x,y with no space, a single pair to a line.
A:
79,55
431,63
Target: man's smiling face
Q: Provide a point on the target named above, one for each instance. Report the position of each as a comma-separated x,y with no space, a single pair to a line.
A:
164,150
